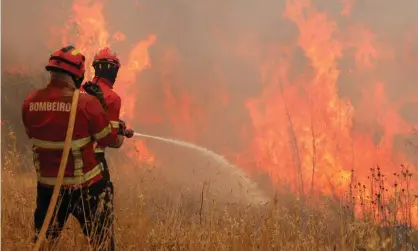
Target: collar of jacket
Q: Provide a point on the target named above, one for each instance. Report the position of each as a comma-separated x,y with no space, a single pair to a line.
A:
61,80
102,80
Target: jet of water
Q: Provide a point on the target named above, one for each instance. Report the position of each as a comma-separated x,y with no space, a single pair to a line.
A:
258,194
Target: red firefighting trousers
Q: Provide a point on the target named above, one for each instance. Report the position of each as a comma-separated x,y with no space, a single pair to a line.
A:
91,206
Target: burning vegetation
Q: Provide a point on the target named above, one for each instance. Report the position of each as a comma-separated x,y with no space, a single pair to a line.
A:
314,99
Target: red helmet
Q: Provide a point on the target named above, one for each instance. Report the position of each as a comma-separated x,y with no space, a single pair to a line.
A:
68,59
105,55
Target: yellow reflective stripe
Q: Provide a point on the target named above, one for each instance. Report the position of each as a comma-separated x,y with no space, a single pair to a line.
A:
99,150
78,162
78,143
115,124
73,180
103,133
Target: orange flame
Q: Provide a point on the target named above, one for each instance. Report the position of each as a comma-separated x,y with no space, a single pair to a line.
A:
302,126
137,62
298,127
87,30
347,7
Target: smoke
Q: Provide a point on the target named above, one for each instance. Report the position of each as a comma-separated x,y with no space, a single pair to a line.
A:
27,28
209,57
220,169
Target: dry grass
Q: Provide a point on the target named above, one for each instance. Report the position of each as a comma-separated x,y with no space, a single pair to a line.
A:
152,215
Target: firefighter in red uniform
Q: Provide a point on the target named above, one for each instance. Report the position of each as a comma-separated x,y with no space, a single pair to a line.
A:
106,66
45,115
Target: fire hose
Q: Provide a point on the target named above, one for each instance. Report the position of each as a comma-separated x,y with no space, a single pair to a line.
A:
67,145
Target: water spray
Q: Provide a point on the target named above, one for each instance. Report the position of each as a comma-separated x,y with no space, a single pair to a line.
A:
258,194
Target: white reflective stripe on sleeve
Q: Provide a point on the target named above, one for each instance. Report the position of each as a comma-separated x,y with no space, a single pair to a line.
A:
103,133
115,124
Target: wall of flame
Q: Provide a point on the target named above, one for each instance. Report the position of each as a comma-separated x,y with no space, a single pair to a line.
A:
305,91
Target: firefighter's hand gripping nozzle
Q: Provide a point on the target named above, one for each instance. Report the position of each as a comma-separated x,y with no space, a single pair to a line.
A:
129,133
95,90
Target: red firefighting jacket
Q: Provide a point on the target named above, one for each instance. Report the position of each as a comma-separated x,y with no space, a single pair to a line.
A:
45,115
113,102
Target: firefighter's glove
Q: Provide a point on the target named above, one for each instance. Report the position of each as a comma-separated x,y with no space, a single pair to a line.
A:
122,128
95,90
129,133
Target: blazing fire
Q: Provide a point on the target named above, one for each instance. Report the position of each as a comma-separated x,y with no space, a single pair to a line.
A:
304,127
87,30
295,123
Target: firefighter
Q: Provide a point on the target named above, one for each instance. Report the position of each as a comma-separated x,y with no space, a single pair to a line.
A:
45,113
106,66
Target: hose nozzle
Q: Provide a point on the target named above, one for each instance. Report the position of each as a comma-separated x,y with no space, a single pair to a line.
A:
129,133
